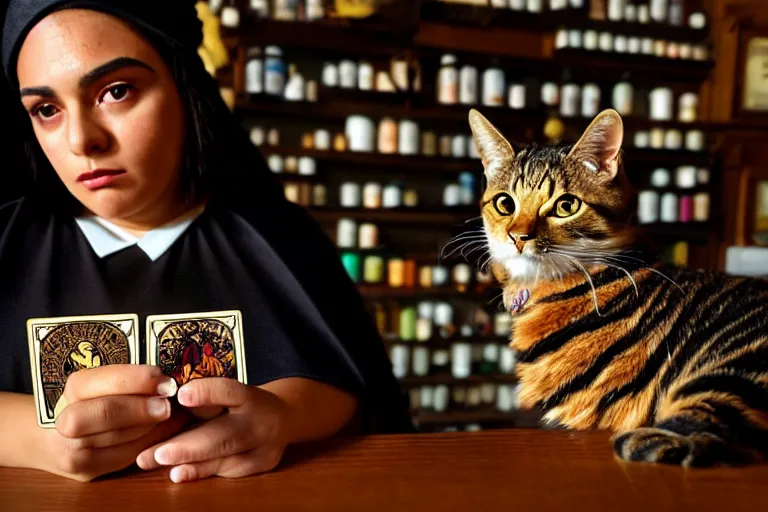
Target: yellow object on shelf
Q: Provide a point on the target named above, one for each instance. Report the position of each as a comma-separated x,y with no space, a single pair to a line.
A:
554,129
212,52
680,254
355,8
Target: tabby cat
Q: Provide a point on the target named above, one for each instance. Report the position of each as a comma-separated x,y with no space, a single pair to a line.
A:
674,361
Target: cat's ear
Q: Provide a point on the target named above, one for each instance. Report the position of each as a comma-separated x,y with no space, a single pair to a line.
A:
600,147
491,144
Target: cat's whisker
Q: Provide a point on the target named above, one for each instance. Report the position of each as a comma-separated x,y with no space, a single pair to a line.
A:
667,278
460,248
481,246
591,284
495,298
466,246
629,275
604,261
617,258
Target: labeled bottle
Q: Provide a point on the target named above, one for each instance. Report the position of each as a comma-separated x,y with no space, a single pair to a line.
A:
260,8
254,71
468,85
448,81
493,87
294,88
623,96
571,95
274,71
590,100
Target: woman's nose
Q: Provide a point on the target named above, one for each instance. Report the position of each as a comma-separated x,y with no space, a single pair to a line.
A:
86,135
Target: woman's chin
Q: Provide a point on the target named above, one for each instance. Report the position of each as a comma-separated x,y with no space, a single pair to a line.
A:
109,203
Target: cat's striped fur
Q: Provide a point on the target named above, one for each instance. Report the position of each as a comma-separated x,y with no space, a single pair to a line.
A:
675,361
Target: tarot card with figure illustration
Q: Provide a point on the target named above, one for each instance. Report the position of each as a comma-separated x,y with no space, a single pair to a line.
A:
59,347
197,345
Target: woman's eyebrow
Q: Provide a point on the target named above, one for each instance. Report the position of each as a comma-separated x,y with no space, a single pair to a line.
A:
98,73
45,92
91,77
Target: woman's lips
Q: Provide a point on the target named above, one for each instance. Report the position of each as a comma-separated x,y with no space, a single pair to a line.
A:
99,178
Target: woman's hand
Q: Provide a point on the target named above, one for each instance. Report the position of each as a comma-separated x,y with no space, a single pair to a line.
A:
109,415
249,437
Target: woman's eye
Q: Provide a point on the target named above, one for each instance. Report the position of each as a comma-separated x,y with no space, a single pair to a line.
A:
45,111
116,93
504,204
567,206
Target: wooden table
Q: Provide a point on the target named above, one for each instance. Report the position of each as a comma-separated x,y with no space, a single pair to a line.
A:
510,470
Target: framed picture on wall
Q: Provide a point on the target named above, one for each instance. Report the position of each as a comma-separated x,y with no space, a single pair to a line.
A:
760,234
752,206
752,76
755,83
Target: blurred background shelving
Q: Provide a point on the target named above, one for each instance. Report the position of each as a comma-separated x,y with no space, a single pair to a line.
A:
438,310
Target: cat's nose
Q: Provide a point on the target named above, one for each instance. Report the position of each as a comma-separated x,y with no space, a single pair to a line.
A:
520,240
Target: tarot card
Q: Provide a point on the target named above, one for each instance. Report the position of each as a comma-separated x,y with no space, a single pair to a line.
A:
58,347
197,345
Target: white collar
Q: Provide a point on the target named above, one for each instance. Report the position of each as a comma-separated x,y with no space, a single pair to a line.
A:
106,238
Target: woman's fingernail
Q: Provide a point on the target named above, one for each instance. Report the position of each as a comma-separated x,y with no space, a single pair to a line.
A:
184,396
177,475
167,388
159,407
163,456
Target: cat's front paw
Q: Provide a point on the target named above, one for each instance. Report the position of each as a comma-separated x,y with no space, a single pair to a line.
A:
667,447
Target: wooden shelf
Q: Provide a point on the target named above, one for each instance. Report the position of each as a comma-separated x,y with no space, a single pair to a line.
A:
333,106
439,342
665,157
485,16
661,69
344,37
665,31
294,177
400,163
635,123
370,291
450,380
397,216
682,231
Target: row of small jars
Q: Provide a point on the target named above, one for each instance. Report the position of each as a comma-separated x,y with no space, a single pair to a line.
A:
373,196
462,86
654,206
503,397
592,40
669,138
397,272
461,360
660,204
306,194
362,75
443,317
438,320
668,12
281,10
404,138
575,99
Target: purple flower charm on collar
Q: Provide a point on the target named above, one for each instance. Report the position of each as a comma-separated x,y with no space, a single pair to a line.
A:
519,301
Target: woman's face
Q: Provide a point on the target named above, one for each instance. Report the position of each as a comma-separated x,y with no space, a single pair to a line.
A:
106,112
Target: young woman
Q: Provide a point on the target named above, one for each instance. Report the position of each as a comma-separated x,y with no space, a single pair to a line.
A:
148,198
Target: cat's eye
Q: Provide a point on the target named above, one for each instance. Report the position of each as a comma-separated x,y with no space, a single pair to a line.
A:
504,204
566,206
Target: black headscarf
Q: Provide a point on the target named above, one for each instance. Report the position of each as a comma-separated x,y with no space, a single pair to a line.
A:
174,20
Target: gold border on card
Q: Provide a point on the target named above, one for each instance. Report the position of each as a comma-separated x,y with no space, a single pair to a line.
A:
34,352
237,335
